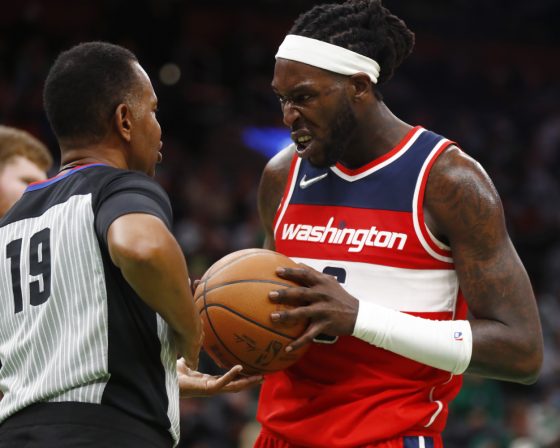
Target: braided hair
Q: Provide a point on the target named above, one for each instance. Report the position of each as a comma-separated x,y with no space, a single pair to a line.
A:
363,26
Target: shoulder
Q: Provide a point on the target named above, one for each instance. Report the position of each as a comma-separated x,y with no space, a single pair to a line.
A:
112,183
460,193
111,180
126,192
278,168
273,182
128,177
461,173
276,171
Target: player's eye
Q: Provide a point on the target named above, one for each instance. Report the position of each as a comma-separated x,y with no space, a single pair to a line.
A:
301,98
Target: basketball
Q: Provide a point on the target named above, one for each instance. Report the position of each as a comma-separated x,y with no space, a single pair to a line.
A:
232,299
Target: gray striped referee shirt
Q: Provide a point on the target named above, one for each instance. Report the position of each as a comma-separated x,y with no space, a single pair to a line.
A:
71,328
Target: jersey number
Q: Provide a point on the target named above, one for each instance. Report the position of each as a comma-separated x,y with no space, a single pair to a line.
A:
39,264
340,275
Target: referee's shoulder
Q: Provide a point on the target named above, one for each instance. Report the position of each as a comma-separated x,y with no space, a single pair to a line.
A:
104,175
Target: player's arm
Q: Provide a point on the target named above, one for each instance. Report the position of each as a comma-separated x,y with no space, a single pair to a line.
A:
271,189
463,205
152,262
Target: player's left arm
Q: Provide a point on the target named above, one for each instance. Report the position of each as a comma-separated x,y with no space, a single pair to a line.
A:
462,205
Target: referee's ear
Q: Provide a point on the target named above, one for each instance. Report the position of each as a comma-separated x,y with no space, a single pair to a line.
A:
123,121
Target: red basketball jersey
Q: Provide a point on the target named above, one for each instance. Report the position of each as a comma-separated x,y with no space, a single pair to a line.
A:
366,227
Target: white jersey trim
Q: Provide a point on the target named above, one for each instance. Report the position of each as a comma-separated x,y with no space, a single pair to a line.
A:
419,291
438,403
401,152
415,210
286,200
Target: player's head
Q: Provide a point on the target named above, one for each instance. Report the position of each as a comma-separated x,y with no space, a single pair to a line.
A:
328,70
23,160
97,91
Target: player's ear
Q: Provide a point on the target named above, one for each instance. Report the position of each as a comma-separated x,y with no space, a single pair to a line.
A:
123,121
360,87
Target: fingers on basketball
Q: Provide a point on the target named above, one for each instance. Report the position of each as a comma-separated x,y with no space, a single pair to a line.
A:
232,299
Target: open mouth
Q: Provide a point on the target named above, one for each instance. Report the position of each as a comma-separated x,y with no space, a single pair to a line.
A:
302,141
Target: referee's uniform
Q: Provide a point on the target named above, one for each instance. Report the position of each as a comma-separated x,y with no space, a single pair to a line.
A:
84,361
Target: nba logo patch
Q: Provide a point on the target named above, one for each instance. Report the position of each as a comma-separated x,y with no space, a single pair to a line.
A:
458,335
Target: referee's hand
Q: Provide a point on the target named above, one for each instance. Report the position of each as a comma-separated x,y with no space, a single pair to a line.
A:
196,384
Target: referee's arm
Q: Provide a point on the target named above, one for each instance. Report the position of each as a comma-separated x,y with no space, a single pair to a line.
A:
152,262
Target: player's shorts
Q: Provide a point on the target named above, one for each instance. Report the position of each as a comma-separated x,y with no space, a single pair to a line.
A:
268,440
78,425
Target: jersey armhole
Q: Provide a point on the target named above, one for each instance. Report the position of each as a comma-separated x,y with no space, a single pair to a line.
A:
288,190
433,246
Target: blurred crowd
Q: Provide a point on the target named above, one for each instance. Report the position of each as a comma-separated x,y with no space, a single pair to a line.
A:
484,74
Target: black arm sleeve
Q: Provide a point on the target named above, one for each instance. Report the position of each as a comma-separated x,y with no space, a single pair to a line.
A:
131,193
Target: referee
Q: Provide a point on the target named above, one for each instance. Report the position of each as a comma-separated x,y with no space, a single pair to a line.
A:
93,286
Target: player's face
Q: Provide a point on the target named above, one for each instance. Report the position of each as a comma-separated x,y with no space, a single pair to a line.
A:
317,110
15,176
146,132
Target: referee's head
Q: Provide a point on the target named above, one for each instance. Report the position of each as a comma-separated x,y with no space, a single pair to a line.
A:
84,86
98,98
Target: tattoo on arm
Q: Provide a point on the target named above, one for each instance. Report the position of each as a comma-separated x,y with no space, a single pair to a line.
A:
465,207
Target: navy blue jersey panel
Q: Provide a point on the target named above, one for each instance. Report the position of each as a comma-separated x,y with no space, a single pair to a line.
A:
390,187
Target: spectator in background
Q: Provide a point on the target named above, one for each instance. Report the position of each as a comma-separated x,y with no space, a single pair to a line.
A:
23,160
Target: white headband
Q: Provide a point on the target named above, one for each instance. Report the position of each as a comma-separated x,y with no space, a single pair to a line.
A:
327,56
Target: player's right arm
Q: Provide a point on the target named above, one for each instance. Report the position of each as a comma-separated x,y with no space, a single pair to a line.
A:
152,262
271,189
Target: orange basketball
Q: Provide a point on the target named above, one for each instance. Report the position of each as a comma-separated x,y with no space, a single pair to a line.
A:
232,299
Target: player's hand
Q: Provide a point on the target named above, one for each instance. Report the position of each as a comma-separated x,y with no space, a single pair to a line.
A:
196,384
320,299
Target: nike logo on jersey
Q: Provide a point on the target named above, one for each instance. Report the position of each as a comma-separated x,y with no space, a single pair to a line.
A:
304,183
356,239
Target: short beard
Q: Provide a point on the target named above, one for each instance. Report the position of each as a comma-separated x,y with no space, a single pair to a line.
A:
341,129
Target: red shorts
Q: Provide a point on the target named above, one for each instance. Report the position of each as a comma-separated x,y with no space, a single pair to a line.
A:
268,440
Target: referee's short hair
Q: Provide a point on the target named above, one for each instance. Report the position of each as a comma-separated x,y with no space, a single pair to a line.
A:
83,88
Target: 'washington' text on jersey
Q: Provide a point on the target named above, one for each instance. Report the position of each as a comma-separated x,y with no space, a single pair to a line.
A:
357,239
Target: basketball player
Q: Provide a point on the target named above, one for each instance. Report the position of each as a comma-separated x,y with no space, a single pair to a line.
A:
93,286
23,160
399,232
